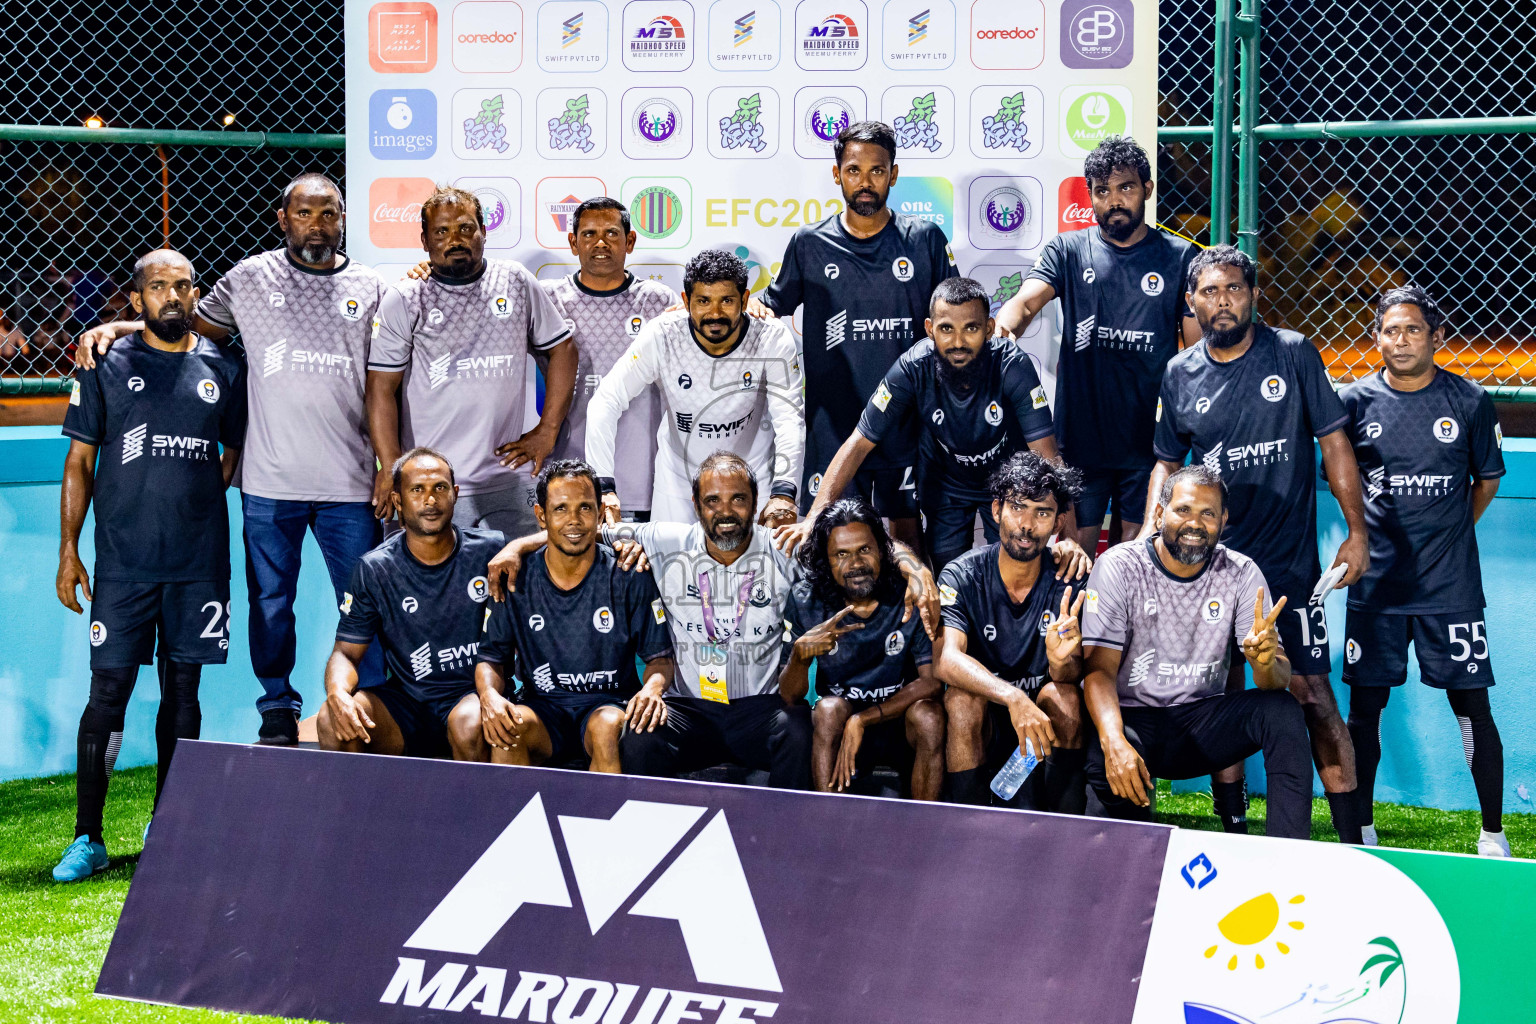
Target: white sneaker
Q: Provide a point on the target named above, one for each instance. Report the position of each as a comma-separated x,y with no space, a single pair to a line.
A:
1368,836
1492,844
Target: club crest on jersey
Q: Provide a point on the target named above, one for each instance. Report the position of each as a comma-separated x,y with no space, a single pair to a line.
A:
894,643
1158,417
346,604
500,307
276,299
351,310
409,605
1351,651
746,380
994,414
208,390
814,484
1214,609
1446,430
74,392
1093,600
937,417
989,631
658,611
949,254
98,634
684,381
479,589
760,597
1498,436
635,323
882,397
1152,284
135,383
434,316
1037,399
602,620
1203,406
1045,622
901,269
947,595
831,270
1088,275
486,620
1272,387
1373,430
536,622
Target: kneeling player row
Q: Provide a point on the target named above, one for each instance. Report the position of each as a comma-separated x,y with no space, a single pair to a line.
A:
727,628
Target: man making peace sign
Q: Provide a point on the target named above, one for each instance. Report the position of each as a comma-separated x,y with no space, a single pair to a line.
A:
1158,628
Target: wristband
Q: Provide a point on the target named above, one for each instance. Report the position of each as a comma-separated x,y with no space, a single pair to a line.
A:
606,485
783,489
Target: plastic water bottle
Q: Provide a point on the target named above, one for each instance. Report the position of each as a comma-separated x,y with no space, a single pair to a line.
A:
1006,782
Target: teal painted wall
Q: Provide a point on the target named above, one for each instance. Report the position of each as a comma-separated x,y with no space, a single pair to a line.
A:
44,675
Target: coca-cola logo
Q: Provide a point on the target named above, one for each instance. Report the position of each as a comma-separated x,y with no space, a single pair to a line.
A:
386,214
394,206
1074,209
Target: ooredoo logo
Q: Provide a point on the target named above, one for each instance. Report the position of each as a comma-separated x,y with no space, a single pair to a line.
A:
394,211
1097,33
1007,35
487,36
1074,207
402,38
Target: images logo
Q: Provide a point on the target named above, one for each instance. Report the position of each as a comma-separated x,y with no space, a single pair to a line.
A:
1008,35
487,36
918,127
402,38
394,211
570,129
402,124
742,128
1091,113
743,26
1074,207
1097,33
657,212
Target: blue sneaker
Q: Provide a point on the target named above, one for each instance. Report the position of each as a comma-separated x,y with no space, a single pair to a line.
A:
81,860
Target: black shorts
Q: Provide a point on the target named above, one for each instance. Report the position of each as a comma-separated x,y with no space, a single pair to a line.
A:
192,620
1303,628
949,524
1125,489
892,491
1452,649
884,746
423,723
565,718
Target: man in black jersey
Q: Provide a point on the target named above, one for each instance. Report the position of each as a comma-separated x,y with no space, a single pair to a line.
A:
1122,288
576,622
145,427
420,594
1246,402
976,400
1428,444
874,675
862,278
1011,654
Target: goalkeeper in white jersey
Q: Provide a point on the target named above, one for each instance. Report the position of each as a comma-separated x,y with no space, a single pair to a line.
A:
728,382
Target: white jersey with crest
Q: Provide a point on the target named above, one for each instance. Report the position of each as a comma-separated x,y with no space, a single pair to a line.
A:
750,401
603,325
464,346
305,334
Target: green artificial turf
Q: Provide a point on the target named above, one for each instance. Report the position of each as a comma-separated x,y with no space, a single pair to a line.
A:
53,937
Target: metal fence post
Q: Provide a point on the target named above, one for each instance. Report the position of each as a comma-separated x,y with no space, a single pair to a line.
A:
1249,34
1221,125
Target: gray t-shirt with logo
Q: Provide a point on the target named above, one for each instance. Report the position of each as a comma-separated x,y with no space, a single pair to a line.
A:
1174,635
733,650
603,325
306,337
464,348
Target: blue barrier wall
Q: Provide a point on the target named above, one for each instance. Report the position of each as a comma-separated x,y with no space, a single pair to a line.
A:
44,652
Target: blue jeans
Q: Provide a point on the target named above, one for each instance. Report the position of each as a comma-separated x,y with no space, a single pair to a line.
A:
274,537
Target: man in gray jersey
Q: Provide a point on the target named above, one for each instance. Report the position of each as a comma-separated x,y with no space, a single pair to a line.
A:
1158,628
458,340
723,588
606,307
304,314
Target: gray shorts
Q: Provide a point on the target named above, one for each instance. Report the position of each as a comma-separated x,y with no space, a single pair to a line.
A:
509,510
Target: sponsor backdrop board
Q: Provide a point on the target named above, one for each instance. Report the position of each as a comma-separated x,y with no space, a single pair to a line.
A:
390,889
713,121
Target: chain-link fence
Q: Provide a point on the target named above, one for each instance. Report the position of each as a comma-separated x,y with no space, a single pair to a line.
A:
1338,217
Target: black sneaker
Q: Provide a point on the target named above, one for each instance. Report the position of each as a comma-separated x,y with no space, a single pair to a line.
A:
279,728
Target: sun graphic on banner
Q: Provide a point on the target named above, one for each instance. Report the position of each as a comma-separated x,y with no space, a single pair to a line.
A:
1252,923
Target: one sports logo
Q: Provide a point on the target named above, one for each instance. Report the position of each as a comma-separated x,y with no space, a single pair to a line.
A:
704,889
1140,667
421,661
133,443
1084,336
272,358
135,383
437,370
837,328
409,605
544,678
